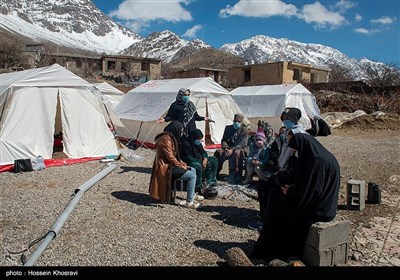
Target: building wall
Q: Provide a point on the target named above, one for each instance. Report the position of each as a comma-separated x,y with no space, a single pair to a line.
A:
274,73
217,75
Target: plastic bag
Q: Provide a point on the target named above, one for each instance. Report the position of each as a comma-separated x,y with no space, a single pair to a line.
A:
38,163
129,154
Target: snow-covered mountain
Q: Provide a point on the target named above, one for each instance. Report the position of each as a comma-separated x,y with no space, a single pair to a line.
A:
79,24
165,45
71,23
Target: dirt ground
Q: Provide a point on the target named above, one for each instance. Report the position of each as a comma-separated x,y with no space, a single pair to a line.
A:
372,157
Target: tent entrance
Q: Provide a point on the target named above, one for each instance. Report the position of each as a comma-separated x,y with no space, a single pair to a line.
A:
58,146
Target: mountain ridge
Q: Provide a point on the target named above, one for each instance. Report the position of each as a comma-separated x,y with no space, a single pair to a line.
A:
79,24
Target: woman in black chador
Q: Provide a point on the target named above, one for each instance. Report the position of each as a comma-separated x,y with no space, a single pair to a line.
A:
291,210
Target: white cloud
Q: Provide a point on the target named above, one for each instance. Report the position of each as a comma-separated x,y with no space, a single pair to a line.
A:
318,14
384,20
358,17
366,31
257,8
137,14
192,32
343,5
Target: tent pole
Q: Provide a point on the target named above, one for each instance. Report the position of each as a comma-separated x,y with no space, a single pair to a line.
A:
78,193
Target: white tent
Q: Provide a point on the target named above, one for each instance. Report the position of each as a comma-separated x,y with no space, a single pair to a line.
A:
36,103
110,93
267,103
143,105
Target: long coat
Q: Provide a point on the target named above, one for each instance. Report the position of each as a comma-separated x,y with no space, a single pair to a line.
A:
166,157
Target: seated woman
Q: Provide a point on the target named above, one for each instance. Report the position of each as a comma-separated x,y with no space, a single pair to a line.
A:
168,166
193,153
291,210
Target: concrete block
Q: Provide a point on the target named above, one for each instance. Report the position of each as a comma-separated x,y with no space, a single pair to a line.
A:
355,194
337,256
322,236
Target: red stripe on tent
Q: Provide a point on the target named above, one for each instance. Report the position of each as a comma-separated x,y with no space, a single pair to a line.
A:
54,162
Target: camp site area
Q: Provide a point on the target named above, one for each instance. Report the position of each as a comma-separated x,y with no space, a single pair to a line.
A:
116,223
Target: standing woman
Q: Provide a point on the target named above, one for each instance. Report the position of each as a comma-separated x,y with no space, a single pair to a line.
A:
184,111
291,210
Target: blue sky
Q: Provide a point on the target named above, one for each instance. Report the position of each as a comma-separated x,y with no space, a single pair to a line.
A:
364,28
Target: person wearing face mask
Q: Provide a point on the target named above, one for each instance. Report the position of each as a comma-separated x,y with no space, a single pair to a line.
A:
184,111
193,153
233,148
277,146
257,158
313,197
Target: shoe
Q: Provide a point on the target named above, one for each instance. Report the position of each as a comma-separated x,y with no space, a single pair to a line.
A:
192,205
256,226
182,202
259,215
213,184
198,197
247,181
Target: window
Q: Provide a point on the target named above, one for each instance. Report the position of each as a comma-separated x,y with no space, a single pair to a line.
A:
144,66
296,75
111,65
124,66
247,75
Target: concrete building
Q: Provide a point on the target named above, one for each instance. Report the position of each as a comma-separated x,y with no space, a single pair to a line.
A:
272,73
218,75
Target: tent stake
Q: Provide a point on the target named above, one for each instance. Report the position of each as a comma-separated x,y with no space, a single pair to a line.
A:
78,193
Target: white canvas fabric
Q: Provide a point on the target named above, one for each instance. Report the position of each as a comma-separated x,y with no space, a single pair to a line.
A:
142,106
110,93
37,103
267,103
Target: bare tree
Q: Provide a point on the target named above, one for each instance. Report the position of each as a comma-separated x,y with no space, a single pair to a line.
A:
382,75
339,74
11,53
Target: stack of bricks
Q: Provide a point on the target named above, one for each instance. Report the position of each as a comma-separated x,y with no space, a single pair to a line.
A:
327,244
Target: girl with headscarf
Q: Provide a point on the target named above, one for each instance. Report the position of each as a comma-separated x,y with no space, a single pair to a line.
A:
194,155
168,166
184,111
291,210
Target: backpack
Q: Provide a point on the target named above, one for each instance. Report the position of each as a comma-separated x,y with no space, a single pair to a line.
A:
319,127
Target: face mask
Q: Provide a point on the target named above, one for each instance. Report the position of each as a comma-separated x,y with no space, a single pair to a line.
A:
236,125
282,136
288,124
197,142
185,98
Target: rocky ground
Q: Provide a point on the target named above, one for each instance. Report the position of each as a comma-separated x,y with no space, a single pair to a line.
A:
117,224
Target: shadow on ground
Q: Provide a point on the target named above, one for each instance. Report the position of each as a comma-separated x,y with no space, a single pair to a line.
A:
146,170
232,215
137,198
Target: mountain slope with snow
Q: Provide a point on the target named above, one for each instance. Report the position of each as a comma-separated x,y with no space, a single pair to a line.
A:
71,23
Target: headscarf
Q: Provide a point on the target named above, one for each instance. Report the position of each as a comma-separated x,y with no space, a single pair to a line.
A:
188,110
175,128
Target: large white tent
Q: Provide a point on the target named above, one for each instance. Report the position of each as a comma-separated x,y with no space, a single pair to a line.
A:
35,104
142,106
267,103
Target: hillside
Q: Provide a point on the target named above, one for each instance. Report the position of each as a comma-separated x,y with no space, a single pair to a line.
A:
207,58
